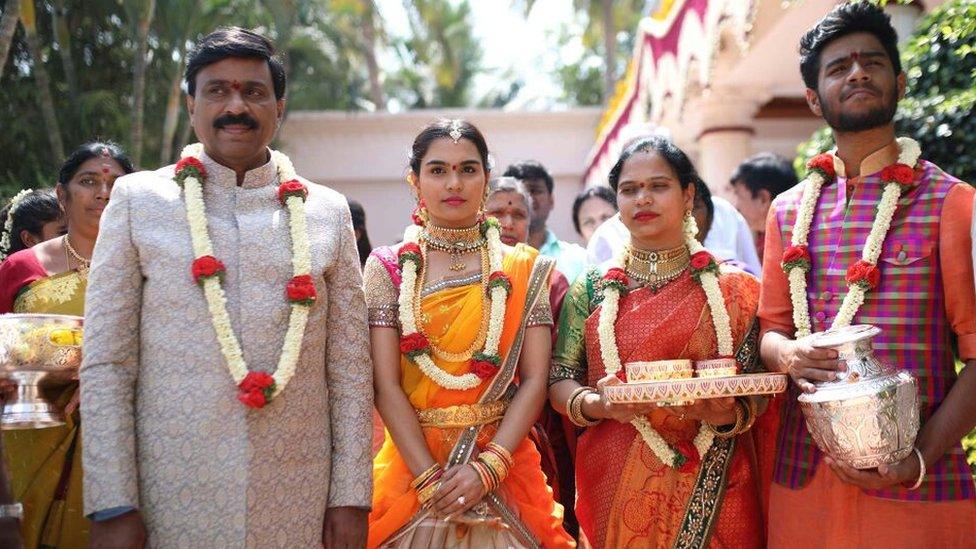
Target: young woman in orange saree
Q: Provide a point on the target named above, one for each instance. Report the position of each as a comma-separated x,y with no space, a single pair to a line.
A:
683,476
460,344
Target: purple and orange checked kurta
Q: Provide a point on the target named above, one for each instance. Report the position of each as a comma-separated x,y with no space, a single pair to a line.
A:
924,304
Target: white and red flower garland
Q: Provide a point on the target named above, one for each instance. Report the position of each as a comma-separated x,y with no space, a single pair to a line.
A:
414,344
704,269
255,388
863,275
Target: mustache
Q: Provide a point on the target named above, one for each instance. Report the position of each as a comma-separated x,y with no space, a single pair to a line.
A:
242,119
869,87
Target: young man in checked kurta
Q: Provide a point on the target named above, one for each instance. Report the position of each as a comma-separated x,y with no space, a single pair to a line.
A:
924,303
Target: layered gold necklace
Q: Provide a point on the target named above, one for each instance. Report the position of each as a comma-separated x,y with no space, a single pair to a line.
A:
654,269
83,264
456,242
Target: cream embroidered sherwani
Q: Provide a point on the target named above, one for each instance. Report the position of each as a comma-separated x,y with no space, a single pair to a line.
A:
163,429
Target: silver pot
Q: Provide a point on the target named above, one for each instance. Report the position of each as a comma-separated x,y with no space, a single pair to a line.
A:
869,414
39,356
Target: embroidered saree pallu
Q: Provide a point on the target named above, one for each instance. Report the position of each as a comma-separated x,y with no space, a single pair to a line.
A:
457,423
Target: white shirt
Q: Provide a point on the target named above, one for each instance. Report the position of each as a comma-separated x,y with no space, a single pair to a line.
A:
728,239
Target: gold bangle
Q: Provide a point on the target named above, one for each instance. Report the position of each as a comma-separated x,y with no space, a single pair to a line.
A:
751,411
502,453
482,474
424,495
574,408
736,428
495,463
423,477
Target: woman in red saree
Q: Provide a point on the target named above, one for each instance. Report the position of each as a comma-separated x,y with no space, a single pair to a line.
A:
460,333
664,490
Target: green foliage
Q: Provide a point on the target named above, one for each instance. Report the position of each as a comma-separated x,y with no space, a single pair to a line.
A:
938,110
439,61
581,77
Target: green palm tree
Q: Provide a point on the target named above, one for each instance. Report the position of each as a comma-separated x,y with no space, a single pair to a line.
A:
8,25
28,18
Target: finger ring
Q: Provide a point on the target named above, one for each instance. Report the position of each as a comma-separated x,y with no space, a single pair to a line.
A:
460,500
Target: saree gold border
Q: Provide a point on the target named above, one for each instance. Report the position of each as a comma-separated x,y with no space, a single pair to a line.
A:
706,497
461,453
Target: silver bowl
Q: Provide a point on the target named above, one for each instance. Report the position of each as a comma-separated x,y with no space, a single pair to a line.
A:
39,355
869,415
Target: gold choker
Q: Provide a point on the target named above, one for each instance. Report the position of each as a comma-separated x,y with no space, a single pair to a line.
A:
456,242
654,269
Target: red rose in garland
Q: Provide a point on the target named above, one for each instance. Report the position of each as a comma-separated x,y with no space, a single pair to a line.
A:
690,458
205,267
256,389
292,187
616,278
301,289
257,381
823,163
796,256
702,262
190,167
899,173
410,252
253,399
498,278
864,274
414,344
484,366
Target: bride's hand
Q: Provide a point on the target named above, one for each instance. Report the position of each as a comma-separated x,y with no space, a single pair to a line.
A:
604,409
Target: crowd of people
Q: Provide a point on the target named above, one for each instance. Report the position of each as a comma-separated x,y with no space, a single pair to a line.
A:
243,336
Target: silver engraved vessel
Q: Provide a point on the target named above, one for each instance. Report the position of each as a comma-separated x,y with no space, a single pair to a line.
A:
39,355
869,414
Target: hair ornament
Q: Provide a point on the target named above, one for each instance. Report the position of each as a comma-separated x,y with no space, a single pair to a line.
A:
8,225
455,132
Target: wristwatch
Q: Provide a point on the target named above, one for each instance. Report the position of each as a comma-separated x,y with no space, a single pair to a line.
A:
11,510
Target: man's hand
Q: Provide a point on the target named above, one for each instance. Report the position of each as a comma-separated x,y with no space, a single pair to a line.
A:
122,532
345,528
905,472
806,364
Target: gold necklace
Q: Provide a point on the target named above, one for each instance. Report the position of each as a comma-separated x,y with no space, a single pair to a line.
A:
418,313
654,269
83,264
456,242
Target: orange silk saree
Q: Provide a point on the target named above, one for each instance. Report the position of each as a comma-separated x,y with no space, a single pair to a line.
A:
451,318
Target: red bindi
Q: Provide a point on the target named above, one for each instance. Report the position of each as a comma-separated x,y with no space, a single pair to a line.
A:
855,55
104,170
236,85
454,167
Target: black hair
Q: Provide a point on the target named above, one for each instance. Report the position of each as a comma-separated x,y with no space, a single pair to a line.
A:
703,196
227,42
675,157
598,191
843,20
35,209
91,150
443,128
530,170
363,245
765,170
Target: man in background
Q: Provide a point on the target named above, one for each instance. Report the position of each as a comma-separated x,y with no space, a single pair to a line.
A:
570,258
755,183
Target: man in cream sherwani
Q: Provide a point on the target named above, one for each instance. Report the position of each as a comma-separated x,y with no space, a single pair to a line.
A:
172,457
